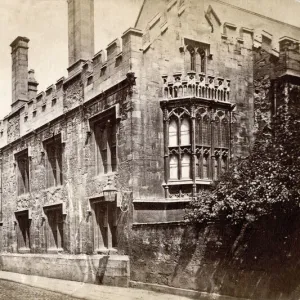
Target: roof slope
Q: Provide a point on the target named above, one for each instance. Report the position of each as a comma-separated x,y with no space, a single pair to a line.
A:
148,10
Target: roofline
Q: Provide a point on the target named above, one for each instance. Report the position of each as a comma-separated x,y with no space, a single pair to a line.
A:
256,14
140,12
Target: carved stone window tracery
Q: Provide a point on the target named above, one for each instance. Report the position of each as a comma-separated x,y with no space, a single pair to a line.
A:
197,140
196,54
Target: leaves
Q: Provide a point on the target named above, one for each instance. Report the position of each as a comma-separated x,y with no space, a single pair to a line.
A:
267,181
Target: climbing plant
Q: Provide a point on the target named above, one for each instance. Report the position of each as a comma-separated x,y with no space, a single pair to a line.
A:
265,182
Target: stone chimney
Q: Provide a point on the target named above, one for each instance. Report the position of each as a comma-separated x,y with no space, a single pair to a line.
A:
32,85
81,32
19,55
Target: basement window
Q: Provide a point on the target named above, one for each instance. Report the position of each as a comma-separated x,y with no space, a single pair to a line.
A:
23,230
54,175
22,161
55,228
104,225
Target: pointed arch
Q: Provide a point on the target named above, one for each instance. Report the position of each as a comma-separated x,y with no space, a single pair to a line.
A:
225,132
205,129
192,53
217,132
202,55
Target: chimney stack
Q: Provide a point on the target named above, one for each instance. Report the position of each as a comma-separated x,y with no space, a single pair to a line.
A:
32,85
19,54
81,32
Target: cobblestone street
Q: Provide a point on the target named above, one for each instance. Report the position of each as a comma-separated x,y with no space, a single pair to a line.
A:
16,291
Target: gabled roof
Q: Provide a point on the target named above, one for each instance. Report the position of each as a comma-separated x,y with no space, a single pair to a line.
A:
148,10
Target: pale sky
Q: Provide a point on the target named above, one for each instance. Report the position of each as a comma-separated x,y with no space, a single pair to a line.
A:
44,22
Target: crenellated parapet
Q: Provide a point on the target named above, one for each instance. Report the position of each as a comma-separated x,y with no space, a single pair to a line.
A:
110,66
196,86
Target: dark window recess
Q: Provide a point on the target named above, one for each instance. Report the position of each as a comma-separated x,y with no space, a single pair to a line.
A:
105,225
23,231
23,172
105,143
54,175
55,239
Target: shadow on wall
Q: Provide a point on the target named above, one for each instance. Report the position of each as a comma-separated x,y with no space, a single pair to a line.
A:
101,269
259,260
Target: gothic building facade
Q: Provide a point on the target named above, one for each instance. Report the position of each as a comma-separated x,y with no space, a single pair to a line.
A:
97,169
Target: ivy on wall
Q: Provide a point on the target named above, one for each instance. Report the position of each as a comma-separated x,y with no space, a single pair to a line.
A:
265,182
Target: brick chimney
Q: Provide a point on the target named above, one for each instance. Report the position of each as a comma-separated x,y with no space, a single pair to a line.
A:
81,32
19,55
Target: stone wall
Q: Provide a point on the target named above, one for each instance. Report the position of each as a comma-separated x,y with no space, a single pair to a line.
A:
98,269
257,261
80,182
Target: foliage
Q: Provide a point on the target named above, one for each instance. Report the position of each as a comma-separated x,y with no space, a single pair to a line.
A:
267,181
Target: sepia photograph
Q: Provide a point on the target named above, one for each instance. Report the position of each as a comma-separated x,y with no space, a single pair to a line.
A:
150,149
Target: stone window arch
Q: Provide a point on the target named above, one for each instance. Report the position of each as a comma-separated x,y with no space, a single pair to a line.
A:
202,58
192,57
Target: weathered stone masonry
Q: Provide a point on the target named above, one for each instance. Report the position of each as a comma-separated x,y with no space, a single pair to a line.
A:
114,151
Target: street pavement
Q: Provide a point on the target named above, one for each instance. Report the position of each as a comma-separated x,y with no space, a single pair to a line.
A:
17,291
14,286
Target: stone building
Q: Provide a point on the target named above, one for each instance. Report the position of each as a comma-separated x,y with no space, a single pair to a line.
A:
97,169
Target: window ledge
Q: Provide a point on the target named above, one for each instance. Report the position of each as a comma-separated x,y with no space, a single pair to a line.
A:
178,182
53,188
24,250
23,196
204,181
55,250
186,182
106,251
105,175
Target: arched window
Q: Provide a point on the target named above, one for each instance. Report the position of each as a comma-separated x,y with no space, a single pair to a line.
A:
173,133
205,167
223,163
186,166
216,167
185,132
202,60
192,58
217,133
205,130
173,167
225,132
